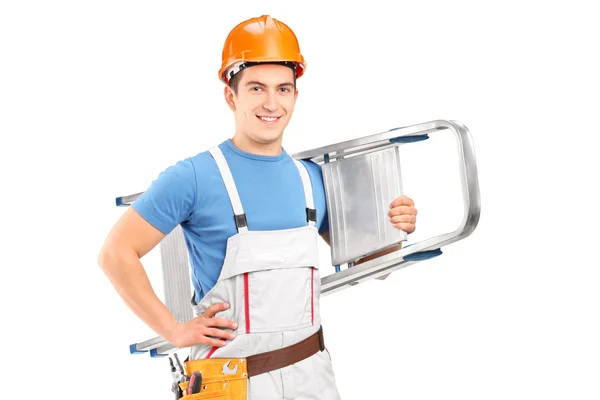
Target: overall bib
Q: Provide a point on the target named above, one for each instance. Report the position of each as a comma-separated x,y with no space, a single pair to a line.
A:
271,281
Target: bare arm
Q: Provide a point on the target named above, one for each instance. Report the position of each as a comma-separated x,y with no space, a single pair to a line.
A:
130,239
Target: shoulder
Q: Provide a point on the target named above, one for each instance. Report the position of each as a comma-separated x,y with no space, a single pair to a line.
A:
314,169
316,175
172,196
200,165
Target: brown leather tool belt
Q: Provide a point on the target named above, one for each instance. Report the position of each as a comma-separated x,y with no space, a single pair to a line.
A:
276,359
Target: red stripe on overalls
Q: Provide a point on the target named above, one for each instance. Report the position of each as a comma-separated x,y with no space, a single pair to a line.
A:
210,353
247,302
247,306
312,294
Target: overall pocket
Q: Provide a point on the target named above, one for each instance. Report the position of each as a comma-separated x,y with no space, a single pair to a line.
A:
279,299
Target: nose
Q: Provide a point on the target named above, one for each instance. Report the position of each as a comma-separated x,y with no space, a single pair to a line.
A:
270,103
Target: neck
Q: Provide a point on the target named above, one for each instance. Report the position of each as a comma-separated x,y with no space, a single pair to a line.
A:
248,145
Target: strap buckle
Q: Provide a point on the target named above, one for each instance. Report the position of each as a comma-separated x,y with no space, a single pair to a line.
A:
241,221
321,339
311,214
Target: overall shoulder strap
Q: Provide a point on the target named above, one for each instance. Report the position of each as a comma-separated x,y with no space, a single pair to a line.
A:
311,212
234,198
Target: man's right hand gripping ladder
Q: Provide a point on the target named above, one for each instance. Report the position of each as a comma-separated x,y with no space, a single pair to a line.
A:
361,176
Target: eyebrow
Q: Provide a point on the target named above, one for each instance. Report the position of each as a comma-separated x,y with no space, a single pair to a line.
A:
262,84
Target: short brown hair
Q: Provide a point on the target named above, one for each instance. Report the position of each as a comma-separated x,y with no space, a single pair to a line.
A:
235,80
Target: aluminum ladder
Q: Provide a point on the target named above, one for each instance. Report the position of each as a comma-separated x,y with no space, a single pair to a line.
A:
340,164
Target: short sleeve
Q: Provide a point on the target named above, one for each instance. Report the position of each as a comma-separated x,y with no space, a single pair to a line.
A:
171,197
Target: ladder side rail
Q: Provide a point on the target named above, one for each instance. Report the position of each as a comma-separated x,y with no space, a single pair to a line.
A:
384,265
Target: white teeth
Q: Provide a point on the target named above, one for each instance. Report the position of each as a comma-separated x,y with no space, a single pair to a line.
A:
268,119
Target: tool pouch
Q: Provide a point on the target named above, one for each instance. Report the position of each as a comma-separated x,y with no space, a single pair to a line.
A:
222,379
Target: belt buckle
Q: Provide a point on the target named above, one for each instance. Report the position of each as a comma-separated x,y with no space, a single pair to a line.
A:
321,339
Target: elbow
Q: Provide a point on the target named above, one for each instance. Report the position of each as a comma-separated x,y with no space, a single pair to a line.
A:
108,258
104,258
114,257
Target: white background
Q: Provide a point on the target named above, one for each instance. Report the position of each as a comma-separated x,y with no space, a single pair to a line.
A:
98,97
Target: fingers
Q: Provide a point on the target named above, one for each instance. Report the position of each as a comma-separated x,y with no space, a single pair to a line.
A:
203,334
218,333
211,342
402,201
215,308
223,323
399,210
403,214
407,218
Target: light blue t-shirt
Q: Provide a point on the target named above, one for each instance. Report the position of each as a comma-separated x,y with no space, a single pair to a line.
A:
191,193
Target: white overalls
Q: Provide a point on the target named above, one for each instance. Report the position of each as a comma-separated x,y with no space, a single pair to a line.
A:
271,281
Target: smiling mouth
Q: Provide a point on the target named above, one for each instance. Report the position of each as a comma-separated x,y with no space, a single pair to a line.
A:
268,120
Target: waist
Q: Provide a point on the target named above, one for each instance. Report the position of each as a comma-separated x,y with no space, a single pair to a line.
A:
263,361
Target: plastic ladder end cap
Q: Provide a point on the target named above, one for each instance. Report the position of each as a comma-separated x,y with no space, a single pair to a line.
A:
409,139
423,255
134,350
155,354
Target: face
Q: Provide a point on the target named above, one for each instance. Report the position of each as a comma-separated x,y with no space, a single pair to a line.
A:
264,102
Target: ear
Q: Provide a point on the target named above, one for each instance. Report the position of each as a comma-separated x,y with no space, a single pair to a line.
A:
229,97
296,94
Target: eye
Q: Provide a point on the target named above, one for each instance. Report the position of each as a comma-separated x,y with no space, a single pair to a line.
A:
256,88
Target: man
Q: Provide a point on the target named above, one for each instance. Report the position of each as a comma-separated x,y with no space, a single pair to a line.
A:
251,216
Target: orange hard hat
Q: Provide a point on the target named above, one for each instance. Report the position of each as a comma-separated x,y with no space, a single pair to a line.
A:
257,40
